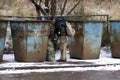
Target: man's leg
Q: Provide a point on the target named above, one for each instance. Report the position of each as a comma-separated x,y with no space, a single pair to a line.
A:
63,47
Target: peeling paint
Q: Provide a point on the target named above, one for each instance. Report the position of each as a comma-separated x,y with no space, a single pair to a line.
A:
3,28
30,40
115,38
87,41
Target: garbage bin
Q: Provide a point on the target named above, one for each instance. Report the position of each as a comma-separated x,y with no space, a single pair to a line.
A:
86,42
30,40
115,38
3,28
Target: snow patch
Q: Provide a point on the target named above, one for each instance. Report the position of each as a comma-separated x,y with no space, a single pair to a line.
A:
105,58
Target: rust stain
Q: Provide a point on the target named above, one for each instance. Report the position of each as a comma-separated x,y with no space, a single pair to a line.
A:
3,28
76,47
115,38
30,51
39,54
115,45
89,52
81,47
19,51
45,31
18,37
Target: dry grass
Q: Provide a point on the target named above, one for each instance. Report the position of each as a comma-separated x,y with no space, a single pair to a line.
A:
17,8
25,8
110,7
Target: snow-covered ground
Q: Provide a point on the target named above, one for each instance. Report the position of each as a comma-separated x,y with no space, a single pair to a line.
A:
105,58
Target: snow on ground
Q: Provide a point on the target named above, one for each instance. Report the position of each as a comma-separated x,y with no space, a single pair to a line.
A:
105,58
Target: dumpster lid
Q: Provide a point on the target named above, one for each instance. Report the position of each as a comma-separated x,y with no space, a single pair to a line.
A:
85,21
30,20
114,20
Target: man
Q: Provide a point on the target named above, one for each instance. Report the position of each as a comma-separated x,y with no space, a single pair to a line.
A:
61,32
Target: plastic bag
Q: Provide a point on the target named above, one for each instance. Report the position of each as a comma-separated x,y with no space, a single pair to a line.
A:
70,30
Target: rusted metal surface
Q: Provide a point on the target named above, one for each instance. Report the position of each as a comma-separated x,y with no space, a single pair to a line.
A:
92,39
76,43
3,28
115,38
30,40
87,40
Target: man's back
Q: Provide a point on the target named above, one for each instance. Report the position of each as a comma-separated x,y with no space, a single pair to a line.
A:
60,26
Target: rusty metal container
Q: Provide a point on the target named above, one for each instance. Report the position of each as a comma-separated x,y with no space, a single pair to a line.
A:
3,28
115,38
87,40
30,40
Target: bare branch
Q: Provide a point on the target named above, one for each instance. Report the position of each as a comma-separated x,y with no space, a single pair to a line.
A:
72,8
47,6
38,7
60,6
64,5
53,8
